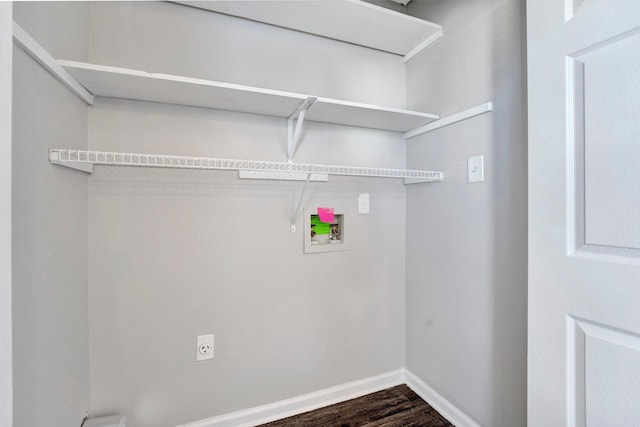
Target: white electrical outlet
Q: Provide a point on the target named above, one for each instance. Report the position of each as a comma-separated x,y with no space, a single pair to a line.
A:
204,349
475,169
363,203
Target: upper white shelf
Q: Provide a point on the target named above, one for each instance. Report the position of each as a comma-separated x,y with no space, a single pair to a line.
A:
351,21
116,82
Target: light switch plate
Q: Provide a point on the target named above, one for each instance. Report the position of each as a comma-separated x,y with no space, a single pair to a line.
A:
475,169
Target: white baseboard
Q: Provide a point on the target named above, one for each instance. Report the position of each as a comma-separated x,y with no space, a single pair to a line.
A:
439,403
304,403
329,396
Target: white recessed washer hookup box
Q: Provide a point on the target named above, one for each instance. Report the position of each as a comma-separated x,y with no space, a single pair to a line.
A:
321,236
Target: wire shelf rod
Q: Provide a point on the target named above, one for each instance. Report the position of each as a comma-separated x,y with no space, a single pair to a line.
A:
79,159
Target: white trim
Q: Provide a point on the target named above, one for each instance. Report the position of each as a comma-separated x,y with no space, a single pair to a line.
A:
6,370
304,403
439,403
576,411
332,395
449,120
574,76
37,52
424,45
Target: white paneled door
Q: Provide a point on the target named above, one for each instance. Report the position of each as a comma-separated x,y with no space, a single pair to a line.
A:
584,213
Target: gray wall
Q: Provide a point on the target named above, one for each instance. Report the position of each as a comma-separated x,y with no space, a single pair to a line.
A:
466,243
6,46
50,327
175,254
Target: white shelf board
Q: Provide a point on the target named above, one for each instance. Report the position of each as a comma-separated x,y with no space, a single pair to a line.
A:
116,82
366,115
351,21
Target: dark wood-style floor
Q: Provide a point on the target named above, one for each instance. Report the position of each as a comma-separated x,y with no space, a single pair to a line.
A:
394,407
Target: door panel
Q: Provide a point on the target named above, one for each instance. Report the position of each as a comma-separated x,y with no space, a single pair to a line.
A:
604,86
584,212
612,143
605,388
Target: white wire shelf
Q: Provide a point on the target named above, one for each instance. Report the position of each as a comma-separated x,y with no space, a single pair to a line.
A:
85,160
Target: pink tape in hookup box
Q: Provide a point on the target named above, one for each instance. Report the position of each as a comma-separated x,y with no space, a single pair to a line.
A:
326,215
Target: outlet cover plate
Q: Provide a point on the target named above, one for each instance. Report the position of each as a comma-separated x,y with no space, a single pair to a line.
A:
204,348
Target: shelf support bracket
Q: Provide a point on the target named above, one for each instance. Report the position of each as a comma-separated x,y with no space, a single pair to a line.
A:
295,126
294,217
54,157
37,52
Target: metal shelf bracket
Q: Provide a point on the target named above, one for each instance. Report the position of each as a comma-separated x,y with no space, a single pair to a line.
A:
294,126
80,164
294,217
